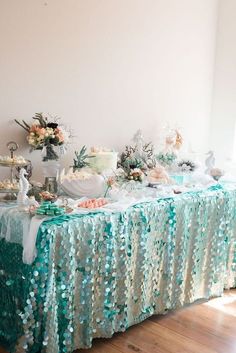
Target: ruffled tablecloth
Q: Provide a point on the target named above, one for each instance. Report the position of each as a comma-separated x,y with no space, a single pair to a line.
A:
99,273
17,226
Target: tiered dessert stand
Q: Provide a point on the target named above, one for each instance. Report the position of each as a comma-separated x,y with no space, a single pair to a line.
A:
12,163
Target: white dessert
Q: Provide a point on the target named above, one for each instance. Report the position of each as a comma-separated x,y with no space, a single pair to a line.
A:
80,174
15,160
8,185
104,160
82,183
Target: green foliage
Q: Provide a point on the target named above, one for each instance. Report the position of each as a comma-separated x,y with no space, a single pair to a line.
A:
81,159
35,191
42,121
23,124
51,155
132,163
38,116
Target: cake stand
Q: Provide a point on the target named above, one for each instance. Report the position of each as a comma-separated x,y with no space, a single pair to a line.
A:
11,194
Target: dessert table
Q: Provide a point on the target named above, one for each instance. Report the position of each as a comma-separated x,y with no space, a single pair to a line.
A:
99,273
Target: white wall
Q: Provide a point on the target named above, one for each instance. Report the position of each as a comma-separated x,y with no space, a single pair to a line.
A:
107,67
224,98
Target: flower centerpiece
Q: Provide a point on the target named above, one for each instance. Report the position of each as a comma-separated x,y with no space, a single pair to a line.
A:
45,135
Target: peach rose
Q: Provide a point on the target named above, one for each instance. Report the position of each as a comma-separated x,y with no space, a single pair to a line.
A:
59,135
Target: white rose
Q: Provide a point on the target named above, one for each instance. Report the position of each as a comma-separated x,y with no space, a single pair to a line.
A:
49,131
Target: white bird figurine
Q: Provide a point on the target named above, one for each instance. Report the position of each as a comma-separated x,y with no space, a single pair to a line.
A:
22,198
209,162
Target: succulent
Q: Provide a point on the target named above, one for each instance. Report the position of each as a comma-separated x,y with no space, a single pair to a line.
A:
81,159
166,159
132,163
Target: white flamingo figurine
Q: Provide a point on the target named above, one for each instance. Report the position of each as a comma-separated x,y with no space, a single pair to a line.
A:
22,198
209,162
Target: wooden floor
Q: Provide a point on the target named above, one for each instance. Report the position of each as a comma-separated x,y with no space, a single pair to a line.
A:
200,328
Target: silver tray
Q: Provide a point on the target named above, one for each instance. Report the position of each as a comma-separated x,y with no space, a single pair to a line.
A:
13,164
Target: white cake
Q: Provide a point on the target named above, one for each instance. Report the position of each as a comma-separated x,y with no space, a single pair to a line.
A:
103,160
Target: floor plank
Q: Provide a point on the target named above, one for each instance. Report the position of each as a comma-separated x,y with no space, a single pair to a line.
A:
208,327
195,330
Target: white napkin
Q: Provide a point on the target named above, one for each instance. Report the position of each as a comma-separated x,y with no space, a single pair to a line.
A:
29,240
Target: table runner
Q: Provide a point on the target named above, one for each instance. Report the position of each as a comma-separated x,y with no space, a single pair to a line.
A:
98,274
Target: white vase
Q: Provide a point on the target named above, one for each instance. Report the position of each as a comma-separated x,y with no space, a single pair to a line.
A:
51,168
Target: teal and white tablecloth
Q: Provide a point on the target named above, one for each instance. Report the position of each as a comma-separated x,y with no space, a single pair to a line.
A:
100,273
